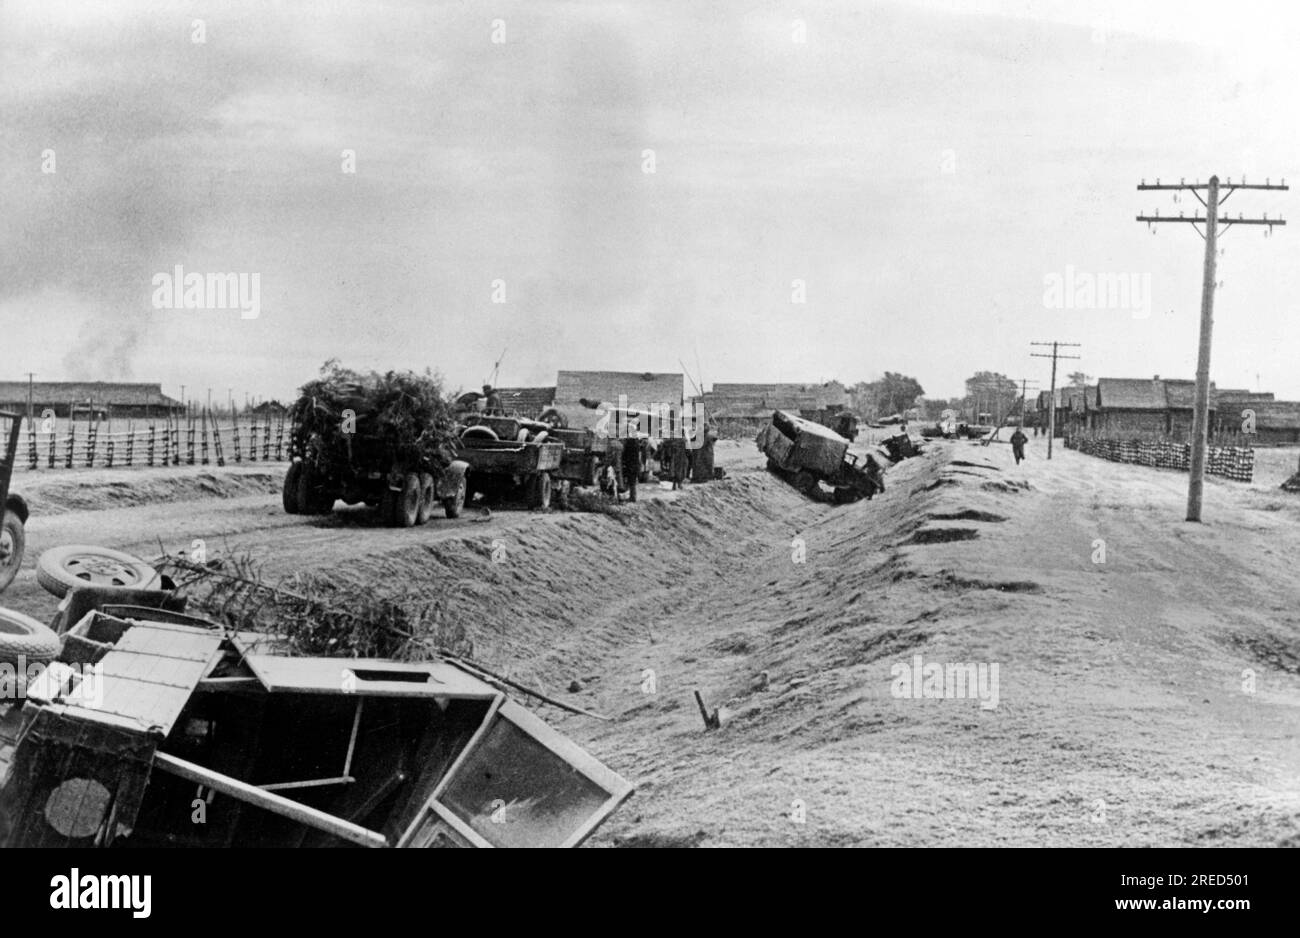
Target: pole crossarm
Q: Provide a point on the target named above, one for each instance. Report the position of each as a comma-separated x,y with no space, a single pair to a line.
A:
1223,220
1228,186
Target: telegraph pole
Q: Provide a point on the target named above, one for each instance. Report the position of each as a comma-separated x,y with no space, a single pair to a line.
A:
1212,221
1051,400
31,375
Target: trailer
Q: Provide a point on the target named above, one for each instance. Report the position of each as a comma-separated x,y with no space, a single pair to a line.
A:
806,454
510,458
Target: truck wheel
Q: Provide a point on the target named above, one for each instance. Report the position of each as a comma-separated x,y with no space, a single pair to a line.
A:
290,493
428,498
60,569
13,539
311,499
456,502
408,503
541,491
22,638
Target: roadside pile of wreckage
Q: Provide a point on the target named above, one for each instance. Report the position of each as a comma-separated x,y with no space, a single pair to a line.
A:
807,455
137,722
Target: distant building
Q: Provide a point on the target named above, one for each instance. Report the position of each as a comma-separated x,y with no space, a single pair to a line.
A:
526,402
82,398
756,402
1144,405
642,389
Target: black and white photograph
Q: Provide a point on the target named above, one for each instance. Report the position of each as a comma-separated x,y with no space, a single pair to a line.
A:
742,424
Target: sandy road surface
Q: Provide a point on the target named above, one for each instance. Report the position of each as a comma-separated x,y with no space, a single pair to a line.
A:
1121,715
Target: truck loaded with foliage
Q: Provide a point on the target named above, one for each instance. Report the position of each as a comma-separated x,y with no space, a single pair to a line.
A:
384,439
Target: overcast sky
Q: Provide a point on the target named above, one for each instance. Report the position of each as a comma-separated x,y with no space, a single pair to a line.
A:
921,167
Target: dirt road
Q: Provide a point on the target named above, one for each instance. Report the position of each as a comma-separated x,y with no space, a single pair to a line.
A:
1148,671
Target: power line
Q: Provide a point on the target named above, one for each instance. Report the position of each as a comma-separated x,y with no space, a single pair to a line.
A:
1211,220
1051,400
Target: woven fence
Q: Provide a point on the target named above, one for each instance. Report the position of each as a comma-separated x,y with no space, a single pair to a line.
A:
1230,462
171,443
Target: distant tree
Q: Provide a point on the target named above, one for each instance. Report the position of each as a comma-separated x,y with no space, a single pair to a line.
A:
991,392
1078,379
897,392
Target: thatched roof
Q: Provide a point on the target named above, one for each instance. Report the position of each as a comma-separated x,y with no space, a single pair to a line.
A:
1152,394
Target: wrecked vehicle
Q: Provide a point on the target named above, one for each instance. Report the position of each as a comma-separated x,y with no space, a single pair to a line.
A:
157,728
805,454
13,508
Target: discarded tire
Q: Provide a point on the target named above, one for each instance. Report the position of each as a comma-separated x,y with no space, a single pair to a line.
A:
22,638
479,433
13,541
290,493
554,418
60,569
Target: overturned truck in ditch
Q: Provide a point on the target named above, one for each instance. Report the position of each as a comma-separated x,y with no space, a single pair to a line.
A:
807,454
156,728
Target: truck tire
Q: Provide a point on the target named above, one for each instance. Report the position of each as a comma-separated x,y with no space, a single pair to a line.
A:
479,433
290,492
60,569
456,502
13,540
22,638
428,498
311,499
540,491
408,502
554,418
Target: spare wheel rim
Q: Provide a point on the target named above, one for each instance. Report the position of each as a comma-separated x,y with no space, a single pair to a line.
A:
98,570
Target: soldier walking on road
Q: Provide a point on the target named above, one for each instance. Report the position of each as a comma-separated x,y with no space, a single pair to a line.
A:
1018,441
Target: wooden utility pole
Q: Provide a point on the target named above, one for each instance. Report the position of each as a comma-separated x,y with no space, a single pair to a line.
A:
1212,221
1051,400
31,375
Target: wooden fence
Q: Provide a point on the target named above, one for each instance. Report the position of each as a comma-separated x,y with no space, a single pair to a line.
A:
194,442
1230,462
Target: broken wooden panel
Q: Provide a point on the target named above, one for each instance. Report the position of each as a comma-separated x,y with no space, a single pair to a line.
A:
145,679
522,784
74,781
370,677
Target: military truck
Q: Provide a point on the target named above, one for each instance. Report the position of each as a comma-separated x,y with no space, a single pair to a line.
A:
806,454
383,440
